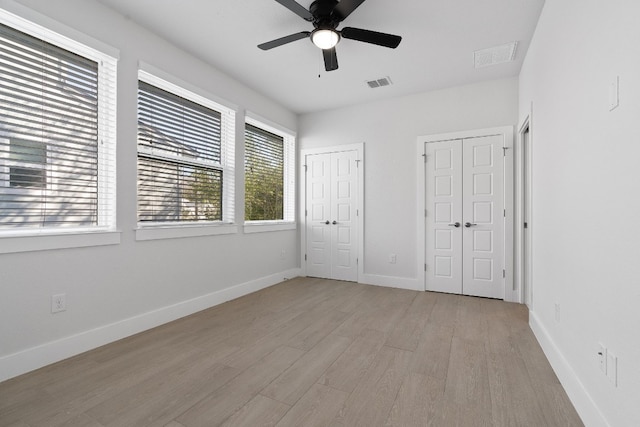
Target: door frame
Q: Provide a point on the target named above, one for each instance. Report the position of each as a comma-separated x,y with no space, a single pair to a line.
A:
506,132
359,149
523,256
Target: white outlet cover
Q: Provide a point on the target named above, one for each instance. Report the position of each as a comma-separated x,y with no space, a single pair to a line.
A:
58,303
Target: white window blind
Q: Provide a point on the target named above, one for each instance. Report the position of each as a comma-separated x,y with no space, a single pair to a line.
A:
269,168
57,128
185,156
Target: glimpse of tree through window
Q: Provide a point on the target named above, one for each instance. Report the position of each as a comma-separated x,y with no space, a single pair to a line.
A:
264,175
169,191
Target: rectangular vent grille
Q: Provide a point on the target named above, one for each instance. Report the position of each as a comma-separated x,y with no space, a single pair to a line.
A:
495,55
385,81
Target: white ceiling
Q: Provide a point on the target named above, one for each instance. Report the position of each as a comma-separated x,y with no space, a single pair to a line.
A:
438,41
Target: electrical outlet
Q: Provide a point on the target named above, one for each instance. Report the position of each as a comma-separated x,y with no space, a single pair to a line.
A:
393,258
283,253
612,368
602,358
58,303
557,313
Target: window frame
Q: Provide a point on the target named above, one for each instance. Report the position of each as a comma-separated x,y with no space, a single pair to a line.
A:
25,239
289,221
152,230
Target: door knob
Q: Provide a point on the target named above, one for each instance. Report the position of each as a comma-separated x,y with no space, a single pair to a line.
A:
327,222
334,222
468,224
455,224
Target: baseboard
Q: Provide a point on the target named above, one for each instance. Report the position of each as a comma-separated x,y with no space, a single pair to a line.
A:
582,401
36,357
391,282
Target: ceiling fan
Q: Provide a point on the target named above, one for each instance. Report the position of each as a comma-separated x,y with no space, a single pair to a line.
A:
326,15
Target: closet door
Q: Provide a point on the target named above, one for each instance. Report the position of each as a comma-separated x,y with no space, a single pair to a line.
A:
464,216
483,217
444,216
318,211
344,190
331,223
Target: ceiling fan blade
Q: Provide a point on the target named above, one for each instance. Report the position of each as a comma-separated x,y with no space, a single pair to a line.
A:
345,7
284,40
330,59
373,37
297,8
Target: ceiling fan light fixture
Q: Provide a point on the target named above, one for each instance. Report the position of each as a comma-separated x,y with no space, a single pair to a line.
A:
325,39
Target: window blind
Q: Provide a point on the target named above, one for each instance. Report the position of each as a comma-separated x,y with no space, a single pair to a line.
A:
264,169
49,134
174,126
183,153
171,191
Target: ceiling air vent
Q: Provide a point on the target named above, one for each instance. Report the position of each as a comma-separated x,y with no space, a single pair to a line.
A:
495,55
385,81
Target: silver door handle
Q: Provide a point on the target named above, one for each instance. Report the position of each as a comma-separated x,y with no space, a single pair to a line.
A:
327,222
468,224
455,224
334,222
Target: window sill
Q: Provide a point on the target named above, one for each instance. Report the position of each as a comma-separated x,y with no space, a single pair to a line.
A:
156,232
50,240
267,226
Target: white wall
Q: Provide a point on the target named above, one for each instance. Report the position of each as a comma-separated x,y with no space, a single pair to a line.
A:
120,289
389,130
586,199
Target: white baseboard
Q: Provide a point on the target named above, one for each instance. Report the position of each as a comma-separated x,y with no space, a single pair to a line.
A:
33,358
584,404
391,282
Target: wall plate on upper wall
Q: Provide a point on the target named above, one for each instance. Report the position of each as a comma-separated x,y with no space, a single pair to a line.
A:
614,93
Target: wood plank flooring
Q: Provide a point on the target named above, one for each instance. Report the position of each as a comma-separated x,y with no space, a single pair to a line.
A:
308,352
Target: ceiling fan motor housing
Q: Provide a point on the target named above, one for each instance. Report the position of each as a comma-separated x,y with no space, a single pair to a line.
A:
323,16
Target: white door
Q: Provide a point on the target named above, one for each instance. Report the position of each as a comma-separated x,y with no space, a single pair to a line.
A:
331,207
465,222
526,238
318,214
483,217
444,216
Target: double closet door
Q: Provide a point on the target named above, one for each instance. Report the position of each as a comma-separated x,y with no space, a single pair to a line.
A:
465,216
331,210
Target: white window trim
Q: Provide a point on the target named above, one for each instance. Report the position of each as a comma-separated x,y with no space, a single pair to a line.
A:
59,239
268,226
169,230
290,223
45,28
159,231
157,77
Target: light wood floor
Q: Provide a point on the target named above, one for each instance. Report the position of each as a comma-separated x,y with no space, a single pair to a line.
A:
308,352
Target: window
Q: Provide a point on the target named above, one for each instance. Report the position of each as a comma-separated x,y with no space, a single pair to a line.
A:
185,156
27,162
269,173
57,128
